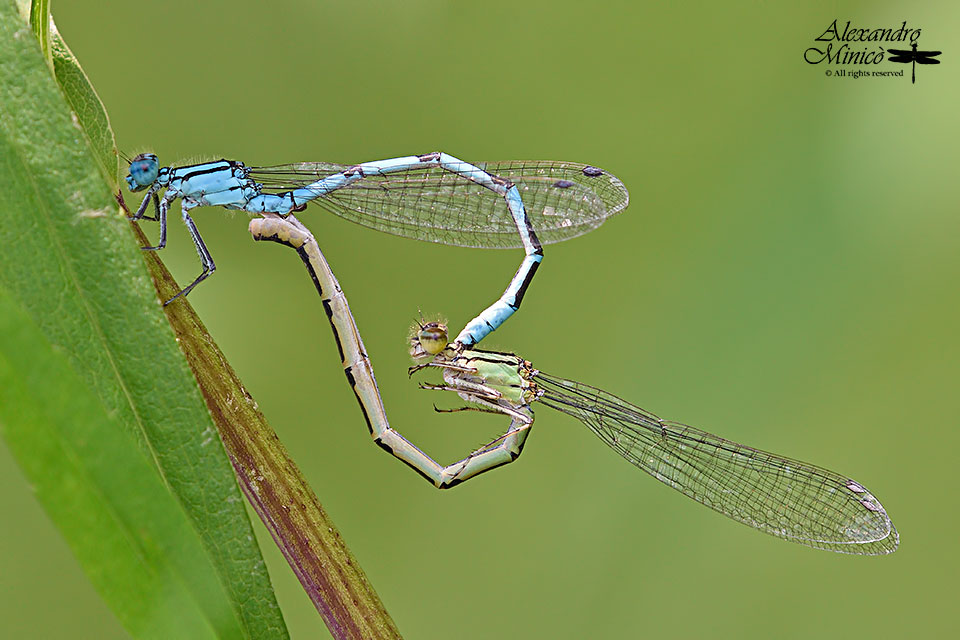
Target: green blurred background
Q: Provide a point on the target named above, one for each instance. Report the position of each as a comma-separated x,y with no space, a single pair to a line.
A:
785,276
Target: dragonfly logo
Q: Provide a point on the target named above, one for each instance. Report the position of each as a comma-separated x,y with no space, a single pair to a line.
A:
855,52
913,57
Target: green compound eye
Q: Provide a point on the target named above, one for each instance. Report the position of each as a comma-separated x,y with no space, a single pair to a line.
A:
433,337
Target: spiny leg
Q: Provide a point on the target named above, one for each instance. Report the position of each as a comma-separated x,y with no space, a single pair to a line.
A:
441,365
156,210
465,408
490,406
142,209
206,260
471,388
162,207
160,214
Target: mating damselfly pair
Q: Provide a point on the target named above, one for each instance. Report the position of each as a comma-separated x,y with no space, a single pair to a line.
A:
438,198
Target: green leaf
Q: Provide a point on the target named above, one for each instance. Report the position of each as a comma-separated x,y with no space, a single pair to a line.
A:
67,260
39,19
132,536
86,105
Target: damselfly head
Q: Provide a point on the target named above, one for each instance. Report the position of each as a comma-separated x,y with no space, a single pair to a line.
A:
143,171
428,340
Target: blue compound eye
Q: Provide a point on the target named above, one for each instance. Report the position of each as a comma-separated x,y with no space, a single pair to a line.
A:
143,171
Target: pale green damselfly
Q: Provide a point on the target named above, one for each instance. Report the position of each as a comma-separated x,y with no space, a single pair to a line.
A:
785,498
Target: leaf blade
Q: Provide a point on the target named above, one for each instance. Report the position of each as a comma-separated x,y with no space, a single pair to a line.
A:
69,262
62,437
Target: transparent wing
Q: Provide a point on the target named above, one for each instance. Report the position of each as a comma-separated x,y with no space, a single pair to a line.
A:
562,200
783,497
